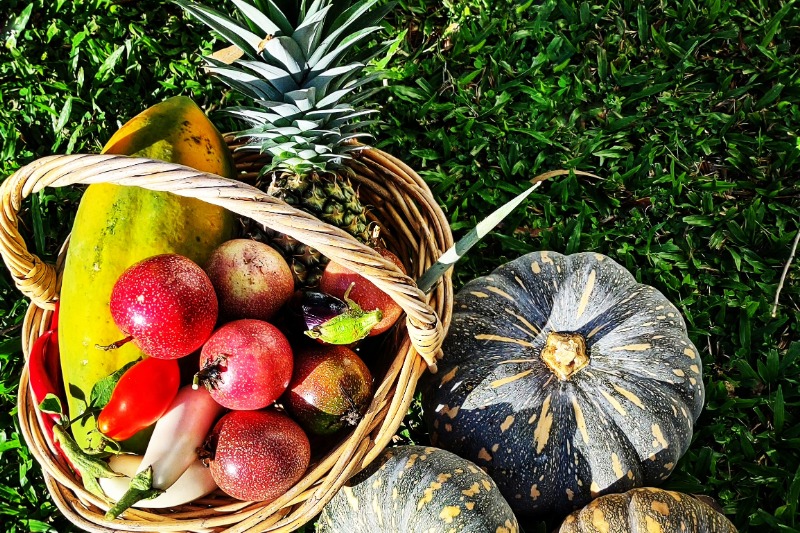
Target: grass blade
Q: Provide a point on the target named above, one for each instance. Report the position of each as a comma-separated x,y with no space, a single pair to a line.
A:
428,280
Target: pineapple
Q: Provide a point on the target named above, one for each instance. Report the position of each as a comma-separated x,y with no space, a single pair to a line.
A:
297,65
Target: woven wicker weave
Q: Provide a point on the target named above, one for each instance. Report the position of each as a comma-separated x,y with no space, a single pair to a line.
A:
413,226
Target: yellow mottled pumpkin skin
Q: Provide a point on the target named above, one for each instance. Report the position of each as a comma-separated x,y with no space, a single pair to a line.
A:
647,510
421,490
117,226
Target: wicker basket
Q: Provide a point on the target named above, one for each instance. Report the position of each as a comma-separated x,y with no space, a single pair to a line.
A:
413,226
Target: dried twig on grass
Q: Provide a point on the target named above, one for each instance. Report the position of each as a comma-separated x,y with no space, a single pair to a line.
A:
785,273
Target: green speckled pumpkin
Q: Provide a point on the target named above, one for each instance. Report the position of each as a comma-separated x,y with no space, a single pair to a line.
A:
647,511
565,379
416,489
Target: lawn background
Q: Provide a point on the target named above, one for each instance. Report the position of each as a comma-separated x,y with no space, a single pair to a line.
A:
688,110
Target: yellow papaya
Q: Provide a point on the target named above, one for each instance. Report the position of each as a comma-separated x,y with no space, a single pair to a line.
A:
117,226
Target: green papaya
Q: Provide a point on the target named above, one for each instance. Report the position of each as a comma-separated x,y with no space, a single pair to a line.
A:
117,226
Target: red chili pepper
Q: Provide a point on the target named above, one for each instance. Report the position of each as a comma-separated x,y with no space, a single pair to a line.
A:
41,381
45,377
44,365
142,395
52,356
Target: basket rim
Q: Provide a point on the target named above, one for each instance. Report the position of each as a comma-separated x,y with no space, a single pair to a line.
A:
38,280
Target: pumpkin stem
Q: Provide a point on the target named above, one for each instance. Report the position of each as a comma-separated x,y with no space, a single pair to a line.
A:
565,354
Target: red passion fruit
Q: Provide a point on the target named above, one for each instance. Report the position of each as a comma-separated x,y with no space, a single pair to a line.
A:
166,305
252,279
257,455
331,389
246,364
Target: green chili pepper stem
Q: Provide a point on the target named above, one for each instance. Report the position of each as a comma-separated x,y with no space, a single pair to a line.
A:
89,466
347,299
85,463
92,485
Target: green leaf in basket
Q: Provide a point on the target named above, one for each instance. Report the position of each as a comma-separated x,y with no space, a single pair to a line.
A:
77,393
51,405
101,392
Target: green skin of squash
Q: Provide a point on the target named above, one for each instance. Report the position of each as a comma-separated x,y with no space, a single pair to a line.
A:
647,510
419,489
117,226
565,379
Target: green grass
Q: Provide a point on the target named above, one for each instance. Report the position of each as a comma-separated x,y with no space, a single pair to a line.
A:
689,111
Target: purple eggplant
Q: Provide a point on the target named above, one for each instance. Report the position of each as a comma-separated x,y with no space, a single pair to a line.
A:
314,308
330,319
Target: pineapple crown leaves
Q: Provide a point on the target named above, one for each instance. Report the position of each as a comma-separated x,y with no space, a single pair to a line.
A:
304,77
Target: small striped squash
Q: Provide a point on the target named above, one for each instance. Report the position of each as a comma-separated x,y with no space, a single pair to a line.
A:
416,489
649,511
565,379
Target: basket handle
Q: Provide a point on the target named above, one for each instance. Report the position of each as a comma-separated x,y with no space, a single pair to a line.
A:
39,281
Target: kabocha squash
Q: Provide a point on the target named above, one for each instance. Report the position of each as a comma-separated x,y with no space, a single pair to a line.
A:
565,379
116,226
647,510
416,489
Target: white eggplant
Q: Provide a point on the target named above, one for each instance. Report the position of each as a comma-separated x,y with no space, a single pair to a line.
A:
178,434
173,446
194,483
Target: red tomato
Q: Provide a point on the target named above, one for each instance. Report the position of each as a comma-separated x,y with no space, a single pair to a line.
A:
142,396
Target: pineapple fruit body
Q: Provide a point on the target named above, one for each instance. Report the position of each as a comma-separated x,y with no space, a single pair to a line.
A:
299,66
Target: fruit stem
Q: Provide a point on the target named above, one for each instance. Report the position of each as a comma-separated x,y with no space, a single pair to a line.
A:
353,415
353,306
565,354
114,345
141,488
205,452
374,237
210,374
